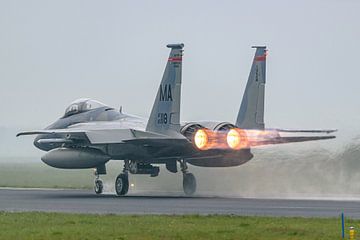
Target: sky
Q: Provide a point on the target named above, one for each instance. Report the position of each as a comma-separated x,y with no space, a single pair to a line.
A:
53,52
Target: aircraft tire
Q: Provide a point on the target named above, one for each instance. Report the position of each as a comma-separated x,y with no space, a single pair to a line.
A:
189,184
122,184
98,186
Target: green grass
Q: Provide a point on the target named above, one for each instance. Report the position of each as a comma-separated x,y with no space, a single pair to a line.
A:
82,226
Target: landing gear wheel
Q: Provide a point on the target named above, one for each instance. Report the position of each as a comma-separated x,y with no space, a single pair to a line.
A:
98,186
122,184
189,184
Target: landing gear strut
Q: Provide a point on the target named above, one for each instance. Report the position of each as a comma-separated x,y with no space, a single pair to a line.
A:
98,184
122,180
189,181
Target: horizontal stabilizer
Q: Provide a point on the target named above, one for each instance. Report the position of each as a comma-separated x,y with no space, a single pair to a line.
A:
281,140
307,130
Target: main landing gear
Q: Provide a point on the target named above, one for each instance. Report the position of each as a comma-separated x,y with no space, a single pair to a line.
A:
189,181
98,184
122,184
122,180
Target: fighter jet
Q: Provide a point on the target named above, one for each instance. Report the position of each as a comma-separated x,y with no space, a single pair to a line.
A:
90,133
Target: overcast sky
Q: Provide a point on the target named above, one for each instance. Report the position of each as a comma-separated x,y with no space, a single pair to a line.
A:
53,52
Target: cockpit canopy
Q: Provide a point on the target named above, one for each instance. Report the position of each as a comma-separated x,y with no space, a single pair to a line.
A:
82,105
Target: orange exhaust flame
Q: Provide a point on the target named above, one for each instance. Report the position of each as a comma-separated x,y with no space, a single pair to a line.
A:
236,139
205,139
201,139
259,137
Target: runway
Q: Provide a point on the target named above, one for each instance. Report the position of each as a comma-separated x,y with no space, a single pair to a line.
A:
85,201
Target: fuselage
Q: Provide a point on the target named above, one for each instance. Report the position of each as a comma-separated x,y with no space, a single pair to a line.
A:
105,117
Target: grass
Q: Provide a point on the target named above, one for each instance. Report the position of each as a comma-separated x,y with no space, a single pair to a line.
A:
34,225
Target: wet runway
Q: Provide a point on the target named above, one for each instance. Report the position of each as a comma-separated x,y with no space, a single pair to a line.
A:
85,201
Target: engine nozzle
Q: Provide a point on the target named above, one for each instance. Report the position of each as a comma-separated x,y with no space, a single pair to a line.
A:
236,139
201,139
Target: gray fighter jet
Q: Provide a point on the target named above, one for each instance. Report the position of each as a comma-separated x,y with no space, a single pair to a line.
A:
91,133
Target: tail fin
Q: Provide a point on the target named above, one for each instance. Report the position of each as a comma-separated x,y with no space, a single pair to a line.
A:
165,114
251,113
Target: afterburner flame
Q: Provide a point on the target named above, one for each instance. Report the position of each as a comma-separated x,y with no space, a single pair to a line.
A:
233,138
201,139
236,139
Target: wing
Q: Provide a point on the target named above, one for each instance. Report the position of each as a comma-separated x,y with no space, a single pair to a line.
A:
52,131
111,136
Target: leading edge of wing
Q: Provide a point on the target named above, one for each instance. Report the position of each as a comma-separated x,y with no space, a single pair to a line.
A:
53,131
106,136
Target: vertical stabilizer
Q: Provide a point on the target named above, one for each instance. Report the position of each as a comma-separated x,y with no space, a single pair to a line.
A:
251,113
165,114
